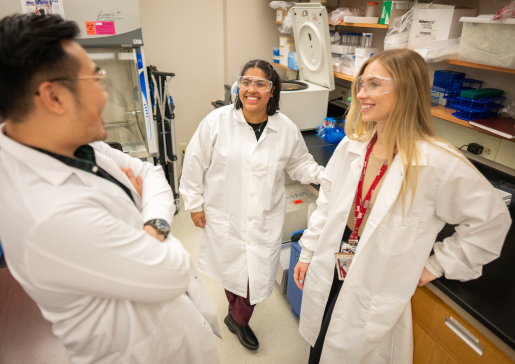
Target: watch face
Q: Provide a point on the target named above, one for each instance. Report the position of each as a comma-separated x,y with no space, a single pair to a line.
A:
162,225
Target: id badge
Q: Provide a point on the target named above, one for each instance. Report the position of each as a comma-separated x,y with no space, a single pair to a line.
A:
343,262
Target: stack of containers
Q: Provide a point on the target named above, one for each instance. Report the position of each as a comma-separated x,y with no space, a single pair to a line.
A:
344,49
364,52
466,96
277,55
286,45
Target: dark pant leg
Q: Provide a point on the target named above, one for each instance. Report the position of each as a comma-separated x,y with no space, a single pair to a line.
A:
241,309
316,351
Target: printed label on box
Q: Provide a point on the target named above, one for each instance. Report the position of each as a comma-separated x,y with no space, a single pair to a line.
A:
90,28
296,202
105,27
426,28
279,15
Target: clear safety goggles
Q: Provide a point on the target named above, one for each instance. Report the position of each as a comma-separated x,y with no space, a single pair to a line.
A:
375,85
260,84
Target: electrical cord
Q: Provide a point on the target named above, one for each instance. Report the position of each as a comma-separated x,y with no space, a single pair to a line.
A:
182,166
466,145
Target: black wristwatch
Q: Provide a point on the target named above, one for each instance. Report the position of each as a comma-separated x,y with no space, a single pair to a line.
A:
160,225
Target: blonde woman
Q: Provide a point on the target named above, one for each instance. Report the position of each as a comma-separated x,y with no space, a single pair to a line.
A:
388,190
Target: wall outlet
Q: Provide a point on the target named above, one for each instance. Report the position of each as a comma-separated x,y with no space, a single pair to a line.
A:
487,151
182,148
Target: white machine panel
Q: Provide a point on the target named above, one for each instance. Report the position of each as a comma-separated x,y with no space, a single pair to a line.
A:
306,108
311,33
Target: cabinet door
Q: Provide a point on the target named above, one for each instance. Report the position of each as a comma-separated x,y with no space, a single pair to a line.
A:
426,350
460,340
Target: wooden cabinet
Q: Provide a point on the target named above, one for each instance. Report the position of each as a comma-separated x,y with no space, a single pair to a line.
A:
442,336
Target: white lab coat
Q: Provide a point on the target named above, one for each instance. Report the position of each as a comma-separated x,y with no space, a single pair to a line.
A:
76,244
371,321
240,184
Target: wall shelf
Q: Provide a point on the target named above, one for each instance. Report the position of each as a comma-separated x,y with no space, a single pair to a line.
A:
282,66
344,76
444,113
481,66
361,25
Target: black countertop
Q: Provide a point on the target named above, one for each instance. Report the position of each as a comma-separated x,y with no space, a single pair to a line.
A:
491,298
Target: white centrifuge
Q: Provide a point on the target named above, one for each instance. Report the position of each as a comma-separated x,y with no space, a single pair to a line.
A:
305,101
308,107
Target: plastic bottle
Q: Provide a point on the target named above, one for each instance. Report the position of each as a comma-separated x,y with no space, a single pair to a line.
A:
371,9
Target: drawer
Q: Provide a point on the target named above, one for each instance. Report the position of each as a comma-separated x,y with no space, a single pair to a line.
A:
426,350
450,331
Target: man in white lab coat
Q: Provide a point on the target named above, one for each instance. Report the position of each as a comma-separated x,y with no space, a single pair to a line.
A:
73,212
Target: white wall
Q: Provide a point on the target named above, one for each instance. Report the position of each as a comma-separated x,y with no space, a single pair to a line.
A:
251,34
187,39
205,43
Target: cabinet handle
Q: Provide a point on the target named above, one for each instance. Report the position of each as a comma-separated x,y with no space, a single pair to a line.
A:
464,334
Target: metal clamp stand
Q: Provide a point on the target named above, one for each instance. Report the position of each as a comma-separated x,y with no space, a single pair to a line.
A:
162,107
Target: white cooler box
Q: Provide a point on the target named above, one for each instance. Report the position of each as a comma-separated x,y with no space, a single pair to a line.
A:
489,42
298,198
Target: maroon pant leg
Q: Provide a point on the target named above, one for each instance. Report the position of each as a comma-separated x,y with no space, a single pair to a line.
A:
241,309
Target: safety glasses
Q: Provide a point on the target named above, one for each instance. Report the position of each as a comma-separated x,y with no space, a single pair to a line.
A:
260,84
374,85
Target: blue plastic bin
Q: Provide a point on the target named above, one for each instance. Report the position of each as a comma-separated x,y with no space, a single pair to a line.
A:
334,135
444,78
294,293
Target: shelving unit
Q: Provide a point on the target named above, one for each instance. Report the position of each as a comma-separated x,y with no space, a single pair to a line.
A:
361,25
481,66
444,113
344,76
282,66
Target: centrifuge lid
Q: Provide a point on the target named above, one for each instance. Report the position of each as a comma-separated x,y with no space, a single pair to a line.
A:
311,33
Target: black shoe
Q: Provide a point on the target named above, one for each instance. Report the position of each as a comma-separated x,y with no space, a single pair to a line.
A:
244,333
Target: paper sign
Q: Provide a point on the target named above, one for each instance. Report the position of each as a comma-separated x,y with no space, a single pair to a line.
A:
90,28
296,202
105,27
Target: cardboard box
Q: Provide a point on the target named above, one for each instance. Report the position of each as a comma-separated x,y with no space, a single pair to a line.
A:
280,14
437,22
393,9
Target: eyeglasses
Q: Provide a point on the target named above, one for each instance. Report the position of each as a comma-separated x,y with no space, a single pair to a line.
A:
260,84
375,85
101,77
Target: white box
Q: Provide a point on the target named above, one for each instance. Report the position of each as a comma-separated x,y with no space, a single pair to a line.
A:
361,19
284,40
438,22
342,49
488,42
366,52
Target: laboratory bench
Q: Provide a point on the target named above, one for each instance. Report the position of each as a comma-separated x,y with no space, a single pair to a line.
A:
488,302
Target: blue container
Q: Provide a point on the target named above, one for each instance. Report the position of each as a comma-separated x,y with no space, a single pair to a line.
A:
466,84
334,135
474,115
294,293
444,78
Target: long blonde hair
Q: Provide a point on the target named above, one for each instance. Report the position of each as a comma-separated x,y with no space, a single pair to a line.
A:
410,120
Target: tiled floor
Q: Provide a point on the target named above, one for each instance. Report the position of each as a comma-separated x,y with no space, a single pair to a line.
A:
275,326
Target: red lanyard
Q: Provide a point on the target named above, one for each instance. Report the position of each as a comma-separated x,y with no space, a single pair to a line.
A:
362,205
